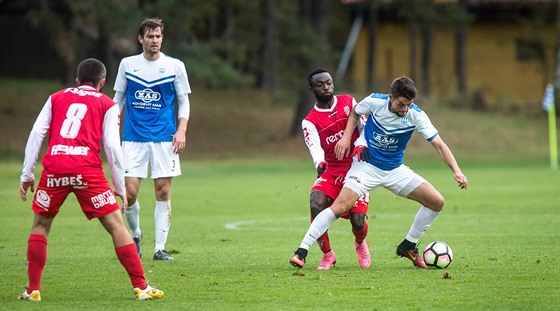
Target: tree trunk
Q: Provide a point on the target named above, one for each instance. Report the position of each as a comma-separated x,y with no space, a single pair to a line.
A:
372,44
269,76
317,13
427,36
412,39
460,53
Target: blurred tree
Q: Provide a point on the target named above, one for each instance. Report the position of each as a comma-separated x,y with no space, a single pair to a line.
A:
315,17
80,29
269,69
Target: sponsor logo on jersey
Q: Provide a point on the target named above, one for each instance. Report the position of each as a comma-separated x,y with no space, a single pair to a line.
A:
103,199
82,92
334,138
69,150
385,140
147,95
75,181
43,199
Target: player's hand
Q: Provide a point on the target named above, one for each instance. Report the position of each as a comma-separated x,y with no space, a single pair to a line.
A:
23,186
179,141
362,152
342,149
461,180
321,168
124,201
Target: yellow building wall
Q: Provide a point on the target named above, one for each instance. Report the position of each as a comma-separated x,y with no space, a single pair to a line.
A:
491,62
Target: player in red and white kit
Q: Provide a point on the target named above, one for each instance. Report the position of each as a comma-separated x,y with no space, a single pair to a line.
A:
77,119
322,128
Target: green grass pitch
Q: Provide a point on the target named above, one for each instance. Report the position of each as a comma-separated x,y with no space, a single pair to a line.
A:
235,225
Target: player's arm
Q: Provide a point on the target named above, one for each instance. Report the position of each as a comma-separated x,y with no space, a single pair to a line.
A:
184,110
447,156
32,149
113,151
119,99
313,143
342,148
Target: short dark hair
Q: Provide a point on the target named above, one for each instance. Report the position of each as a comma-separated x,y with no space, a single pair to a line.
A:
314,72
150,23
91,70
403,86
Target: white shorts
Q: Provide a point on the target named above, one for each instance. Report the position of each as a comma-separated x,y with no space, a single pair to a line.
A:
160,157
364,177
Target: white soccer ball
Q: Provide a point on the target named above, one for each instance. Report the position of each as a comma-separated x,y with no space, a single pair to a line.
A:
438,254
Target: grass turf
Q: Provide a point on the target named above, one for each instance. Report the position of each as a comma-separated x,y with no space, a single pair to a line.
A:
236,223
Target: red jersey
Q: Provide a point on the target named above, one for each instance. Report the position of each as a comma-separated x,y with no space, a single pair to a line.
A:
77,120
323,128
76,130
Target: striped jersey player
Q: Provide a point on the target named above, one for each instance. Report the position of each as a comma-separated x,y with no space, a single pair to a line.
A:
154,133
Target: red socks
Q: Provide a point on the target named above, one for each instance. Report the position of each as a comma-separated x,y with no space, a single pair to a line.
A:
361,235
128,256
36,259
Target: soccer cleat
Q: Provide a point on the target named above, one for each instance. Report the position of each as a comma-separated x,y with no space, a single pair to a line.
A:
364,258
137,242
162,255
329,259
297,261
34,296
148,293
412,255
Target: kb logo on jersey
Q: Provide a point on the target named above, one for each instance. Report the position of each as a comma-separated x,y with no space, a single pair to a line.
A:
147,95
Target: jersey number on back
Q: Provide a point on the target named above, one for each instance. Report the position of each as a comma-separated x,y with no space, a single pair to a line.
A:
73,121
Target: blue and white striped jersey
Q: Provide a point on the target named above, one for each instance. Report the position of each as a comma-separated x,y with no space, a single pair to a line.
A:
387,134
151,88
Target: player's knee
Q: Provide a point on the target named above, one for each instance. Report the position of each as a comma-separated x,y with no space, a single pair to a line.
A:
317,203
357,220
437,204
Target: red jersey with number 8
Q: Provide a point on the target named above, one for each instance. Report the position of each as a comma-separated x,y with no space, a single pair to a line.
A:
76,130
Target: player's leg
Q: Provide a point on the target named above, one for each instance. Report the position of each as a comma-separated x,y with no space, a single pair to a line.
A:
132,213
136,159
165,165
128,256
318,201
432,204
36,256
360,230
162,217
414,187
343,203
46,204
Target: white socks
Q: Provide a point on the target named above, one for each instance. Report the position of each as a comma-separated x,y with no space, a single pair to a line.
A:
319,226
423,220
131,215
162,218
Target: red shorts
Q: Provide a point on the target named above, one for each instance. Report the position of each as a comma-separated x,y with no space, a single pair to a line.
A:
93,192
331,185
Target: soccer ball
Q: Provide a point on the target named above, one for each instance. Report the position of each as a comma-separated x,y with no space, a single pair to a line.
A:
438,254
